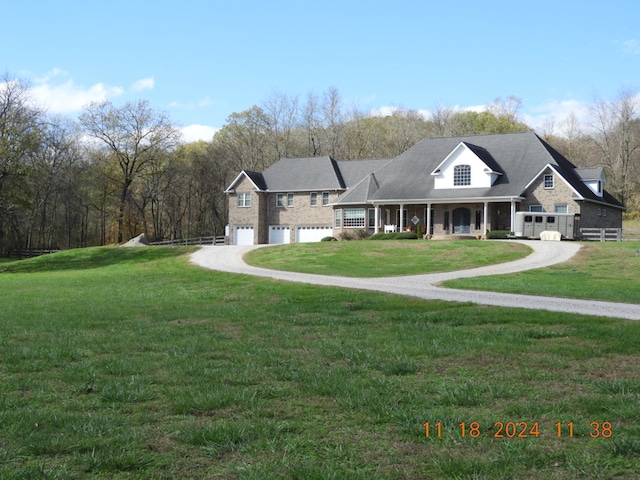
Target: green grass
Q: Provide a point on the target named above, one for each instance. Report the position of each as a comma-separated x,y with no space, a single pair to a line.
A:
604,271
133,364
380,259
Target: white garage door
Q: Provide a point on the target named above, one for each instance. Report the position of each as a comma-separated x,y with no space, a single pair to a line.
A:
243,236
279,234
312,234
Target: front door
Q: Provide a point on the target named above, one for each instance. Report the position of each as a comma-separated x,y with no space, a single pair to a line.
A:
461,221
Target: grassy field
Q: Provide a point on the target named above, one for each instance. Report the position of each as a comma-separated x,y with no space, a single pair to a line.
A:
385,258
604,271
133,364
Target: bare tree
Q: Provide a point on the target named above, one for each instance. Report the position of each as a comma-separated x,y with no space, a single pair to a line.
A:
616,138
441,120
281,116
20,126
134,134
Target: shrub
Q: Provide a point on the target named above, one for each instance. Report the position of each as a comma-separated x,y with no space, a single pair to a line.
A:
498,234
329,239
394,236
354,235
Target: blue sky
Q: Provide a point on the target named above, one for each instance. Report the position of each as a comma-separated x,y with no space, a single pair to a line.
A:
201,60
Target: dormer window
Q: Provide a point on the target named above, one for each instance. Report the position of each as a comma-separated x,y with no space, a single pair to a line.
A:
461,175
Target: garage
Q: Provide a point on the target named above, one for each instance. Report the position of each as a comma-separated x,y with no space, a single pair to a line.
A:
279,234
312,234
243,236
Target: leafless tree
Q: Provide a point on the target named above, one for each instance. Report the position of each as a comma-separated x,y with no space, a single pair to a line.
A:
616,138
134,134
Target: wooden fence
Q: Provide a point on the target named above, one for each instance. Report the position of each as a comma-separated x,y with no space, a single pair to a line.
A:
610,234
29,252
220,240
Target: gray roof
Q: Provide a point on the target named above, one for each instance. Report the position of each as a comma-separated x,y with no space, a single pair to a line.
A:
520,157
315,173
594,173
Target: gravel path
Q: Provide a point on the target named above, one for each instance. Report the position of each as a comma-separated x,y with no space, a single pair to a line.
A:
230,259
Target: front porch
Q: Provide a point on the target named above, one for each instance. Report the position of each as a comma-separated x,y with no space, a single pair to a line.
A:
446,220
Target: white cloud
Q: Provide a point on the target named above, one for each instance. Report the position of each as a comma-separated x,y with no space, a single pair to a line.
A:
553,114
64,96
632,46
194,133
143,84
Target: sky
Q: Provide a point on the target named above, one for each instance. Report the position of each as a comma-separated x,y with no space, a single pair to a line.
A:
200,61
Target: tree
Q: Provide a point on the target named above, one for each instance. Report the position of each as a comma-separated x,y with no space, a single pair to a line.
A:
19,138
51,185
134,135
245,137
616,124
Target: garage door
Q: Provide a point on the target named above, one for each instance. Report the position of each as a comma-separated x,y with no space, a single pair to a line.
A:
279,234
312,234
243,236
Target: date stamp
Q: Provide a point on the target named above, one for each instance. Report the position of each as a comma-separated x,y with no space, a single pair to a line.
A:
520,430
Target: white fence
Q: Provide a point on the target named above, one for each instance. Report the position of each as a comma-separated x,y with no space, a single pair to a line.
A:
610,234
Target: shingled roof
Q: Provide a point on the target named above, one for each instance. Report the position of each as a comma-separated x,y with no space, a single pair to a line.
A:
520,157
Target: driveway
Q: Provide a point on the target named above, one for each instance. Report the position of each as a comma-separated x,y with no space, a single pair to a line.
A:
230,259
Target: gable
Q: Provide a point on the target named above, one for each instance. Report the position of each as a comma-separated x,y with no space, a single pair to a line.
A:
254,178
467,166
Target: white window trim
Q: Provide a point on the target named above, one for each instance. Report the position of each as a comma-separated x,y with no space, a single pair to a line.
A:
459,175
359,221
313,199
561,206
544,181
244,200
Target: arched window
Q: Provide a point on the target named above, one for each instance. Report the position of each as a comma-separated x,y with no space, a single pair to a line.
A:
461,175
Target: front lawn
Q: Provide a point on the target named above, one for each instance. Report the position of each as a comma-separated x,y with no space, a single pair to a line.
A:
601,270
134,364
362,258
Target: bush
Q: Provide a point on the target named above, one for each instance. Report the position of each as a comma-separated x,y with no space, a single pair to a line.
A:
497,234
394,236
354,235
329,239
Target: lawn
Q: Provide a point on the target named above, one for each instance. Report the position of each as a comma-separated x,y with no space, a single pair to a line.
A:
604,271
385,258
134,364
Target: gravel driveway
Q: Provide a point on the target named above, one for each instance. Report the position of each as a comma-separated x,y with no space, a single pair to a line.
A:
230,259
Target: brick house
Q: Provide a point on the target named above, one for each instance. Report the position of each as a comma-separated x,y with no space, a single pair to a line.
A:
456,185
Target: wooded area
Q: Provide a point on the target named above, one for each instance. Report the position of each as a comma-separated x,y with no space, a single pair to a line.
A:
122,170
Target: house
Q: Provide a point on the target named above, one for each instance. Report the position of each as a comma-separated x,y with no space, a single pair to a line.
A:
456,185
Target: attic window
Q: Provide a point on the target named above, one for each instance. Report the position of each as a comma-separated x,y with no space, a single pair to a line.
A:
461,175
548,180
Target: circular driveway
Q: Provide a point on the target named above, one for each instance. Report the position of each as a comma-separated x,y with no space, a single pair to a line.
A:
230,259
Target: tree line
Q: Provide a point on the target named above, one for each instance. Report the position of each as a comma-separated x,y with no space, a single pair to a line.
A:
119,171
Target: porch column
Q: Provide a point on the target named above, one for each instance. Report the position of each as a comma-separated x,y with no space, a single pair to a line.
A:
376,229
428,230
486,217
513,215
401,226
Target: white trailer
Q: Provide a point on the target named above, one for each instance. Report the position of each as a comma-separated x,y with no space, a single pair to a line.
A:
531,224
